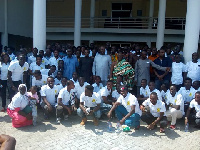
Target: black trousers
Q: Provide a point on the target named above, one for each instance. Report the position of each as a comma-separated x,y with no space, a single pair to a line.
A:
11,91
3,92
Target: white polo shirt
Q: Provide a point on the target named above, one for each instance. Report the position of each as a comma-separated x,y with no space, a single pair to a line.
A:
145,91
194,104
158,93
54,61
177,70
188,95
176,100
31,59
40,82
96,87
67,96
155,109
34,66
17,70
45,62
4,70
80,89
193,70
104,92
129,101
90,101
49,93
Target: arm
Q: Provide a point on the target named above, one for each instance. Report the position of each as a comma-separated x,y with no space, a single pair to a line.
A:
7,142
96,108
46,102
113,108
157,66
105,100
187,115
94,67
64,106
128,115
151,126
82,107
25,76
112,68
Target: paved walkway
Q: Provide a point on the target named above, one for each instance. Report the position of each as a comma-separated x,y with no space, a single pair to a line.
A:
69,135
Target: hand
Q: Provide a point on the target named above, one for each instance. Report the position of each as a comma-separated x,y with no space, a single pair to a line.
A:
74,108
109,115
168,69
151,126
49,107
186,121
122,121
91,112
160,77
29,117
69,111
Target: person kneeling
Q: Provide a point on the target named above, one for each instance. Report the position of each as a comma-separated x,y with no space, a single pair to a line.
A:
127,109
157,112
89,105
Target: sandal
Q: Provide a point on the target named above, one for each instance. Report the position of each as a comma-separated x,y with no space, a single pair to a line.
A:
162,130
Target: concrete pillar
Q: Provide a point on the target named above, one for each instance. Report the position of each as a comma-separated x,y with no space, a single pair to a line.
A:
161,24
39,24
192,28
149,43
151,10
92,13
4,35
77,23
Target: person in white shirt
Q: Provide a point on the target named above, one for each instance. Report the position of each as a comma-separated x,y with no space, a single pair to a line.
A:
153,89
32,58
49,95
196,85
188,92
116,93
74,78
89,105
36,65
54,60
97,85
63,84
175,106
144,91
66,100
39,79
45,62
17,73
58,77
164,91
49,72
4,64
195,103
156,114
127,109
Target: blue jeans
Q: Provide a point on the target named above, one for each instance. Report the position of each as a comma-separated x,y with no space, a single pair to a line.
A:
97,114
132,121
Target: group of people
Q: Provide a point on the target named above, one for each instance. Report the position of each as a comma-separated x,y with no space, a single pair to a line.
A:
129,83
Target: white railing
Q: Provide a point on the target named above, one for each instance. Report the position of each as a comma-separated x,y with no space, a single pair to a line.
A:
120,23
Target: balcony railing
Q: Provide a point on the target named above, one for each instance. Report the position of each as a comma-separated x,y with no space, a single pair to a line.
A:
120,23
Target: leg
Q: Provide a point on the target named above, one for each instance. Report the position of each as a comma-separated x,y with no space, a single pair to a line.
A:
97,114
163,122
59,111
45,110
148,118
157,84
3,92
82,115
197,121
133,121
121,112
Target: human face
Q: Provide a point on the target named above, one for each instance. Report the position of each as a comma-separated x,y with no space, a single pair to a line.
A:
194,57
102,50
64,82
173,90
41,53
177,59
162,53
195,85
55,53
149,51
143,83
109,85
9,51
94,52
87,52
154,51
74,76
50,82
60,64
119,79
21,60
88,92
37,77
69,53
81,81
113,50
35,51
153,99
168,51
197,98
123,92
59,75
144,55
38,61
23,90
71,86
97,80
151,86
187,84
120,56
5,58
52,69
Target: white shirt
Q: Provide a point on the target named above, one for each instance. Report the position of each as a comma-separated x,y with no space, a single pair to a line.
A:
155,109
144,91
164,95
54,61
80,89
46,72
75,82
4,70
31,59
49,93
17,70
34,66
194,104
176,100
45,62
57,82
18,101
40,82
60,87
96,87
90,101
158,93
188,95
67,96
177,70
104,92
193,70
12,56
129,101
115,94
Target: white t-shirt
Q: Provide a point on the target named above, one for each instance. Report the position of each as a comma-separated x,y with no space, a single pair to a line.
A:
164,95
115,94
145,91
46,71
34,66
177,70
193,70
80,89
158,93
45,62
194,104
67,96
17,70
40,82
129,101
54,61
104,92
4,71
176,100
75,82
96,87
155,109
49,93
57,82
31,59
60,87
18,101
188,95
90,101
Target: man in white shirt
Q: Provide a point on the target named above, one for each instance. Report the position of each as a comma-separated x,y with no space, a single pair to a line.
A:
49,72
97,85
49,95
89,105
66,99
17,73
144,91
74,78
195,103
175,106
156,114
127,109
32,58
36,65
54,60
39,79
152,88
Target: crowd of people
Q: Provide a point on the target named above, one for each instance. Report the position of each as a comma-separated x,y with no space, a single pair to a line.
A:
131,83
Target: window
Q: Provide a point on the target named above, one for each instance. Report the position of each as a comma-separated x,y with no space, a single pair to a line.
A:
121,10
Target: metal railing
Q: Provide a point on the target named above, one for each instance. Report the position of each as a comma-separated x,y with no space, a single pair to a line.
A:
120,23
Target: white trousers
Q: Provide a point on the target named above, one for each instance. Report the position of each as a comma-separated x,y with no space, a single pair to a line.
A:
172,114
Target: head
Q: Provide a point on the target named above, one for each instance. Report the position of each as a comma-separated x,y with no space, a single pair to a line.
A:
21,59
37,75
33,89
89,90
87,52
5,58
9,50
38,60
177,58
143,83
69,53
151,85
173,90
52,68
109,84
144,55
41,53
123,90
35,51
197,97
154,51
118,87
83,49
113,50
64,81
59,75
22,89
164,87
120,56
161,53
94,52
153,98
137,49
55,53
168,51
81,81
48,52
196,85
61,64
188,83
75,76
119,78
194,57
102,50
97,79
50,82
70,85
148,51
78,53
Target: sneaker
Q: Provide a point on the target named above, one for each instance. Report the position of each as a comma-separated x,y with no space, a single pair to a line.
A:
84,120
172,127
66,117
58,120
96,122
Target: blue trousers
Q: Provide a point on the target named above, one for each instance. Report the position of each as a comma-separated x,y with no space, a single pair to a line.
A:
132,121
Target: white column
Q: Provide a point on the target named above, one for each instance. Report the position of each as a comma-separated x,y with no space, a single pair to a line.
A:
192,28
92,13
77,23
4,35
39,24
151,10
161,24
